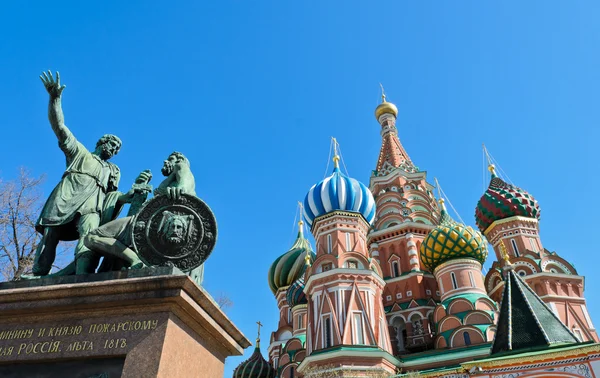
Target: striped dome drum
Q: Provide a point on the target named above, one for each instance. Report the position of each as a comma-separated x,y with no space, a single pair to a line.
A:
339,192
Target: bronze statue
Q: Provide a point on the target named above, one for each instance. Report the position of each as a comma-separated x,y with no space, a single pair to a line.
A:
174,228
87,195
115,237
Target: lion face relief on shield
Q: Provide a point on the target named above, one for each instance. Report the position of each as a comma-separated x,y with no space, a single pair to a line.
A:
174,229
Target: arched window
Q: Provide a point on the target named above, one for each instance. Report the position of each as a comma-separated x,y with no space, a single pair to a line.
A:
329,246
471,279
454,283
395,270
514,245
467,338
533,244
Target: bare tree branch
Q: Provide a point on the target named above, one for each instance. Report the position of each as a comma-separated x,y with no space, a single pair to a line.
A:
19,208
224,301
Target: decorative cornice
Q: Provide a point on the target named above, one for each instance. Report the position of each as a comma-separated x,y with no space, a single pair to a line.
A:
529,359
340,271
334,213
508,220
467,261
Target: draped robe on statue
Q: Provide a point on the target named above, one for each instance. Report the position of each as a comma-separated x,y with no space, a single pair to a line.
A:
87,192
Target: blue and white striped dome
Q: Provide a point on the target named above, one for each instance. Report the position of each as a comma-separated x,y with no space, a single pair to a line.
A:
339,192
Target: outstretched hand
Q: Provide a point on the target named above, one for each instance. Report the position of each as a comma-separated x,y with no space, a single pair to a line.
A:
53,87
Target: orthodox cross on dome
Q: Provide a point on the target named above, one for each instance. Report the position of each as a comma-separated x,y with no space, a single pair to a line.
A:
443,198
336,157
382,93
258,337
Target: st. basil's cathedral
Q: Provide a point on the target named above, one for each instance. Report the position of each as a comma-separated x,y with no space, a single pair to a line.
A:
395,285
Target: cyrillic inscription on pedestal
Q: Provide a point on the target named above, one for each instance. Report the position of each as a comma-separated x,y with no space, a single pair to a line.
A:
94,337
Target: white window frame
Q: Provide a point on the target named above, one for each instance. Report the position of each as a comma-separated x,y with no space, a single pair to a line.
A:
472,279
533,244
397,268
515,248
324,318
329,244
348,244
454,281
358,322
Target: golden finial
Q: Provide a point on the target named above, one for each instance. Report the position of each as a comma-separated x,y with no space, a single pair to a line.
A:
442,201
382,93
385,107
258,337
336,157
504,253
307,257
491,166
301,222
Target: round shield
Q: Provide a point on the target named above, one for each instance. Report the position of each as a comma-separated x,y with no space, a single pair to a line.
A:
181,232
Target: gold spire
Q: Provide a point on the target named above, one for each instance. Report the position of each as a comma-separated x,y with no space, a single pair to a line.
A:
336,157
385,107
504,254
258,337
492,169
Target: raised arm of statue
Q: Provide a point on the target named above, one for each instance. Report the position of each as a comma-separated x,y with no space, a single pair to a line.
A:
55,113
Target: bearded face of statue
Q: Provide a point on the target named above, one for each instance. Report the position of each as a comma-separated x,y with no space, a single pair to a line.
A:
108,146
168,165
174,230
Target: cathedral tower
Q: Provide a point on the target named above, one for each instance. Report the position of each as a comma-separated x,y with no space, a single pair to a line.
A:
406,212
455,253
283,273
509,218
346,325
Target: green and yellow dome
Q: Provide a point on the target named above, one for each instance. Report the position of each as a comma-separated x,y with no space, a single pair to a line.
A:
451,240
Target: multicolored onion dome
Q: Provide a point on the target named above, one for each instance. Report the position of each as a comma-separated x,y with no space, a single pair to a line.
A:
451,240
254,367
502,200
295,293
290,266
339,192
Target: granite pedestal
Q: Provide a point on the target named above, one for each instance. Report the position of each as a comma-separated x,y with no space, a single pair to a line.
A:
153,322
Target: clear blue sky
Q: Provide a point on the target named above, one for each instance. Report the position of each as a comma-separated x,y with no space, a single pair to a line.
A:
252,91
